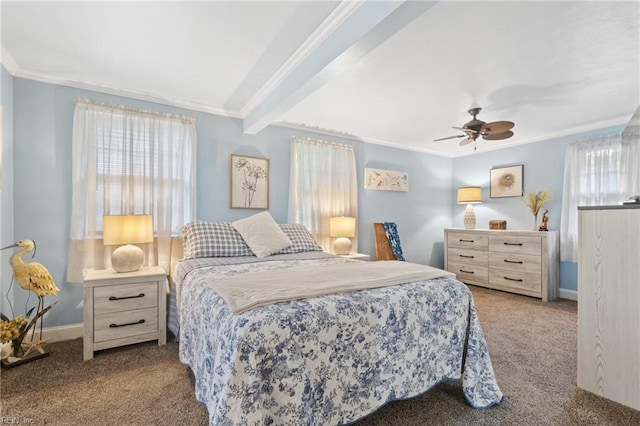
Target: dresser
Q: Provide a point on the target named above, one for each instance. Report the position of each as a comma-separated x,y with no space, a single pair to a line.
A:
523,262
609,302
124,308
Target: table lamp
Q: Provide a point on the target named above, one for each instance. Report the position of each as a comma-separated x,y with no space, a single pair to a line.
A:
470,195
125,231
342,228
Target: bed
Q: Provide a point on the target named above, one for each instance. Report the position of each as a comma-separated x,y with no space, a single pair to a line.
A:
325,359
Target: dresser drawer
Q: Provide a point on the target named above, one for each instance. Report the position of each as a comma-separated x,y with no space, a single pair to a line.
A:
468,272
516,262
117,325
515,244
467,240
505,279
124,297
466,256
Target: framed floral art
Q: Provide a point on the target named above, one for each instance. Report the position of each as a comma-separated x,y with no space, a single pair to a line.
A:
249,182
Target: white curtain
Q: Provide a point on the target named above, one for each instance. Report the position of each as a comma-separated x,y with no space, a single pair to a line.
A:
128,161
630,165
591,178
323,184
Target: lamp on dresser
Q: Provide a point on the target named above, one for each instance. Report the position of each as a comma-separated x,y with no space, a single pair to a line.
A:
469,195
342,229
125,231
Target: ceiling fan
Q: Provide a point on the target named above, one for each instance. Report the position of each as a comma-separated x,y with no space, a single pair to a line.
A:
493,131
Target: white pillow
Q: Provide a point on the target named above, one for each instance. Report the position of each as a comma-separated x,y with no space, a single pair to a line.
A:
262,234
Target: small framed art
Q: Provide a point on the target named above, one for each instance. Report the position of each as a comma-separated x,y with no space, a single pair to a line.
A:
249,182
386,180
506,181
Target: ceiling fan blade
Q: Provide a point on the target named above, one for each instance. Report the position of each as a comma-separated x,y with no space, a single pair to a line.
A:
498,136
450,137
465,142
496,127
465,129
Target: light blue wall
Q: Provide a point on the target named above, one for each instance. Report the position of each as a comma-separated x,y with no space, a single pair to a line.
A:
43,115
6,190
36,198
543,169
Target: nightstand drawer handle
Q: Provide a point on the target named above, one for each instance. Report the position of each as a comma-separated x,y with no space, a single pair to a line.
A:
468,257
126,297
466,272
512,279
129,323
512,244
513,261
466,241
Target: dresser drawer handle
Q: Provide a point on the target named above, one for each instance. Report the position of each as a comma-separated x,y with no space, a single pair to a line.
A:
126,297
513,279
467,256
124,325
466,241
466,272
513,261
512,244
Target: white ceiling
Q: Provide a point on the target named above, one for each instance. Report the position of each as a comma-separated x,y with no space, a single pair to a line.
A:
395,73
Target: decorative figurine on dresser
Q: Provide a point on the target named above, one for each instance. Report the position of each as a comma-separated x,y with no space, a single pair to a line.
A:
545,219
523,262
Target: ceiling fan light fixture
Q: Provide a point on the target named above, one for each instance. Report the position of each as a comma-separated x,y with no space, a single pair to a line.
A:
493,131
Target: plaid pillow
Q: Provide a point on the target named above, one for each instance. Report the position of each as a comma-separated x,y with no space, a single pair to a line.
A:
301,239
213,239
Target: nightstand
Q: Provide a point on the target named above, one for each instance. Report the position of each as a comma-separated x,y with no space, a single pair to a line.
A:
358,256
124,308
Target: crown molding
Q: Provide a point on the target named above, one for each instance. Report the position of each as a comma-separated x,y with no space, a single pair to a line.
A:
118,91
339,134
9,63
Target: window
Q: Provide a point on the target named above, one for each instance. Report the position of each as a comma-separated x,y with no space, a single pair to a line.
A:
129,162
591,178
323,184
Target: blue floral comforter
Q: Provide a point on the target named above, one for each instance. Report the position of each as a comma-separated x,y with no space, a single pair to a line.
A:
327,360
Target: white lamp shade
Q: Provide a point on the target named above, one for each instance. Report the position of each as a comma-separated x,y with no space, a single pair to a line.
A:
125,230
342,227
469,194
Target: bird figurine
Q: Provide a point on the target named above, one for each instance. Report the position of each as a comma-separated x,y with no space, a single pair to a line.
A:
32,276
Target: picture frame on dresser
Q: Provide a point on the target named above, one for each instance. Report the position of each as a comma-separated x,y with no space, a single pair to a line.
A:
506,181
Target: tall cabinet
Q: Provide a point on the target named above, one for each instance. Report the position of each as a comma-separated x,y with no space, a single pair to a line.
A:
609,302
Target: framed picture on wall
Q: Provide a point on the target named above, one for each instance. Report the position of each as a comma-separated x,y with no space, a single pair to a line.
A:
249,182
506,181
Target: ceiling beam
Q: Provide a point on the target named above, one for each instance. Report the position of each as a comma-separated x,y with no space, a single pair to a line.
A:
359,28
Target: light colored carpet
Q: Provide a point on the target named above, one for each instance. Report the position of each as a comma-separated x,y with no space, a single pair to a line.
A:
532,345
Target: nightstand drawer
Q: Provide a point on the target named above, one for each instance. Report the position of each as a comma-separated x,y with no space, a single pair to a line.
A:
125,297
125,324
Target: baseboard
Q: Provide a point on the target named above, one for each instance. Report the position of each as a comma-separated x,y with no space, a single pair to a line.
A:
63,332
568,294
